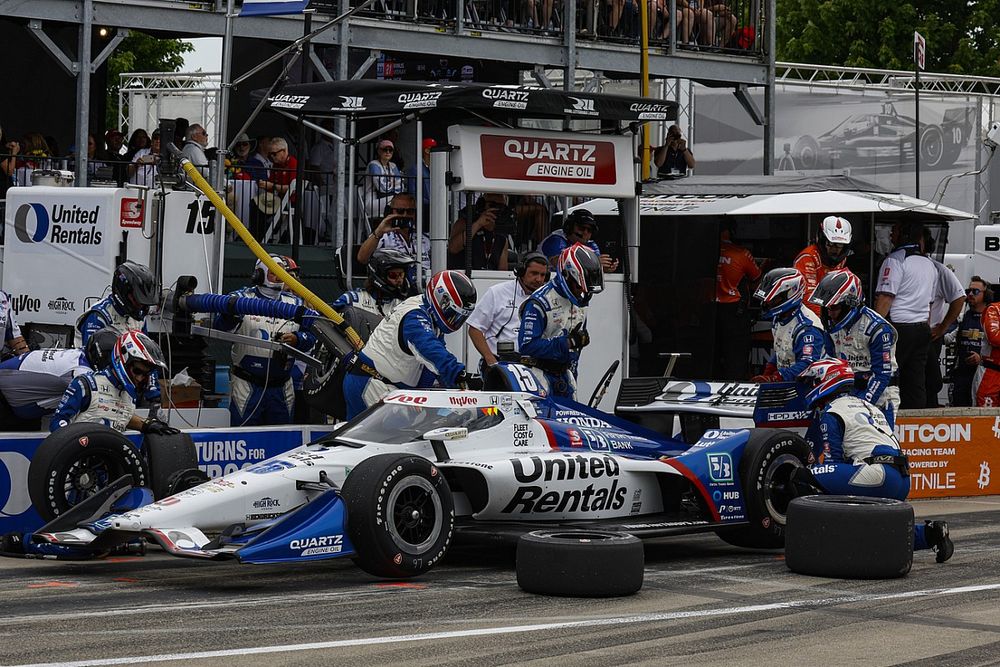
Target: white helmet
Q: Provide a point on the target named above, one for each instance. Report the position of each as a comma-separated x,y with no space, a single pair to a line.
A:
835,237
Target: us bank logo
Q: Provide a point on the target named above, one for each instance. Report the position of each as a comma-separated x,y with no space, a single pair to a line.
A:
36,215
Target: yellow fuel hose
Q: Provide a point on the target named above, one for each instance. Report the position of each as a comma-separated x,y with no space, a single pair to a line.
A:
258,250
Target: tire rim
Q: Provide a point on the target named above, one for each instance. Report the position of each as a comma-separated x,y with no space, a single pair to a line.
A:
932,145
776,499
86,476
416,514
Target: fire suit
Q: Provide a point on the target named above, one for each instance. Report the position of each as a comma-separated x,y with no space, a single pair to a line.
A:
547,318
32,384
406,351
986,384
97,398
364,300
868,343
810,264
262,391
798,341
553,244
104,314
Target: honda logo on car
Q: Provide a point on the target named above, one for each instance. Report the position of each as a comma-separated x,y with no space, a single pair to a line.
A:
550,160
316,546
533,497
65,225
959,432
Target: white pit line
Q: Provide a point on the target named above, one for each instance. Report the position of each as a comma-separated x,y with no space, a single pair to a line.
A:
519,629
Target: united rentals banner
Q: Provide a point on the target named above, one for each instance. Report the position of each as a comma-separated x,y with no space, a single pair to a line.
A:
951,456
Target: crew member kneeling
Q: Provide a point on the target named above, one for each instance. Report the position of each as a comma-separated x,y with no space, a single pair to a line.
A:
797,331
857,451
406,350
554,318
109,396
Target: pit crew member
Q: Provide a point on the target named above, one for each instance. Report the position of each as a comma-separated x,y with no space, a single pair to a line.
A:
861,337
578,227
554,319
969,342
109,396
496,318
797,331
828,253
986,383
262,391
13,341
856,450
133,291
407,350
32,384
387,285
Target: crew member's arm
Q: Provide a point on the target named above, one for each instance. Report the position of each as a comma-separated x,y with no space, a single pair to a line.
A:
75,400
806,264
954,310
808,348
888,286
225,321
479,342
880,351
430,350
530,341
883,302
14,339
770,371
481,319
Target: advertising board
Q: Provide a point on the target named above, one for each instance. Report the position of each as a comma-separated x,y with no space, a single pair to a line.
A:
951,456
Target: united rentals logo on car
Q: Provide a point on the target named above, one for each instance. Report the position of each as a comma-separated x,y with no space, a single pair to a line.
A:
548,160
597,496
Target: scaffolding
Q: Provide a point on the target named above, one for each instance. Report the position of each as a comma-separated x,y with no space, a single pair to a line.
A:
146,97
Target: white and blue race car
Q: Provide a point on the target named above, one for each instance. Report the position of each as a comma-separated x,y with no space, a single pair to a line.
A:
394,487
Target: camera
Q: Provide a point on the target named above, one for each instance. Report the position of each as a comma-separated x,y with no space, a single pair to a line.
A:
407,223
506,221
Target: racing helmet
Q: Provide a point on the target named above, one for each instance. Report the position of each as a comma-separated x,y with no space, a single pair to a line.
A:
838,288
99,347
579,275
834,239
826,378
133,348
381,262
134,290
580,216
779,292
450,298
266,281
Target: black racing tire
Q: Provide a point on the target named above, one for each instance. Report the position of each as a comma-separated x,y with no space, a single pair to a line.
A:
168,455
400,515
182,480
324,388
580,563
76,462
849,537
768,460
806,152
932,147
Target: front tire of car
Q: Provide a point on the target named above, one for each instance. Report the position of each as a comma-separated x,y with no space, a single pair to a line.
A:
400,515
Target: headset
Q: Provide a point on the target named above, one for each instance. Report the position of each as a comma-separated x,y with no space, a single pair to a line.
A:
580,216
522,264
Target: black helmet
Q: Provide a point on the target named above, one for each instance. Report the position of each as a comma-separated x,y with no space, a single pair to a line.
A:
580,216
134,290
99,346
379,265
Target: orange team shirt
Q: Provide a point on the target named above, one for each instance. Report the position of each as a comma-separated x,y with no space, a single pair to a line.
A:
990,321
810,265
734,263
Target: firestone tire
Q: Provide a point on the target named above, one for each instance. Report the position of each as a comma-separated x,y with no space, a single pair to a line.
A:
849,537
76,462
768,460
580,563
169,455
400,515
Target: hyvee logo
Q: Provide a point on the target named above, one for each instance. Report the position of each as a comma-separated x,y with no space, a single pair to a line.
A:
25,304
67,225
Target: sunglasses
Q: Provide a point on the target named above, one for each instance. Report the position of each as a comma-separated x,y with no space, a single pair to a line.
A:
387,150
278,152
405,211
974,291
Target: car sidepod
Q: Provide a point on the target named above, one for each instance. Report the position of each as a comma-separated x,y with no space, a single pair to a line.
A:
711,465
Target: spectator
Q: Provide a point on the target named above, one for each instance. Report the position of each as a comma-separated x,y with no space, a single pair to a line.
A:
139,140
34,150
258,166
969,342
828,253
382,180
114,142
396,232
674,157
239,157
8,163
903,295
323,158
949,297
425,167
144,169
180,131
490,245
195,143
684,19
273,189
578,227
732,326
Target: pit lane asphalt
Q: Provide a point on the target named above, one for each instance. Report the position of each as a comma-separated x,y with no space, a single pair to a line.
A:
703,603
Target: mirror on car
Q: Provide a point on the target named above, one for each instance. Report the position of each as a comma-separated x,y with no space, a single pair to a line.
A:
446,433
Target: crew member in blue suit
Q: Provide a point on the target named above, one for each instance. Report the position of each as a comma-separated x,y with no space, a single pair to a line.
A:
386,287
797,331
861,337
554,318
578,227
407,349
856,451
261,388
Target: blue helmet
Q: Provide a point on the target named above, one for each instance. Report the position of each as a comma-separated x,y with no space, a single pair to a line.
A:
838,288
779,292
827,378
578,275
450,298
132,348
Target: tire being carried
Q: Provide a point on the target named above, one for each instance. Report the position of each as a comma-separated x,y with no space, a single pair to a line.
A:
400,515
849,537
768,460
580,563
76,462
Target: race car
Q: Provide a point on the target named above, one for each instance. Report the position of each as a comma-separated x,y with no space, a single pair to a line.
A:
395,486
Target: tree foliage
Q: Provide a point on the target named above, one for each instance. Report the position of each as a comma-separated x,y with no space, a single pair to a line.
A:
962,35
140,52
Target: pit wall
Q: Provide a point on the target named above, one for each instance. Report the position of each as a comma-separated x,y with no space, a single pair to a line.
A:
953,452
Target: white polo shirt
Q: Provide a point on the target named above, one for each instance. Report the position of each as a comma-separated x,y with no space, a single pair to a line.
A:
497,313
912,280
947,289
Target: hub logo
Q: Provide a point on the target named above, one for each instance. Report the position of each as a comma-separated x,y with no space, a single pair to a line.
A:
720,467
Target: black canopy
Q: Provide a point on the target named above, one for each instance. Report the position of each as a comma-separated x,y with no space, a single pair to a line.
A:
386,98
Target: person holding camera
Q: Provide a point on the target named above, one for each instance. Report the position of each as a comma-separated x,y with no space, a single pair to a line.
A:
144,168
493,221
674,157
396,231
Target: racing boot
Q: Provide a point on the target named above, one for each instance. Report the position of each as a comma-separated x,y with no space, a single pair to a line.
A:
936,533
802,483
12,544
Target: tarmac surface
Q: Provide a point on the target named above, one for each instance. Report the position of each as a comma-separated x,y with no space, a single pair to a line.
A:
703,603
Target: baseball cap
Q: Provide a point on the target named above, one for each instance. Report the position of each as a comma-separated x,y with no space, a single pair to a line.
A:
385,143
242,138
428,143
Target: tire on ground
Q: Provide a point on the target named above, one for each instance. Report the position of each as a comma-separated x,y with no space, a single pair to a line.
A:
400,515
580,563
169,455
77,461
768,459
849,537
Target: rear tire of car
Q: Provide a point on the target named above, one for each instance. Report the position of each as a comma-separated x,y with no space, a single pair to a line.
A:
169,455
76,462
768,460
849,537
400,515
580,563
806,153
932,147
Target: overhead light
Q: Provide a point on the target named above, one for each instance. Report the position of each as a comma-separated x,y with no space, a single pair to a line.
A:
103,32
